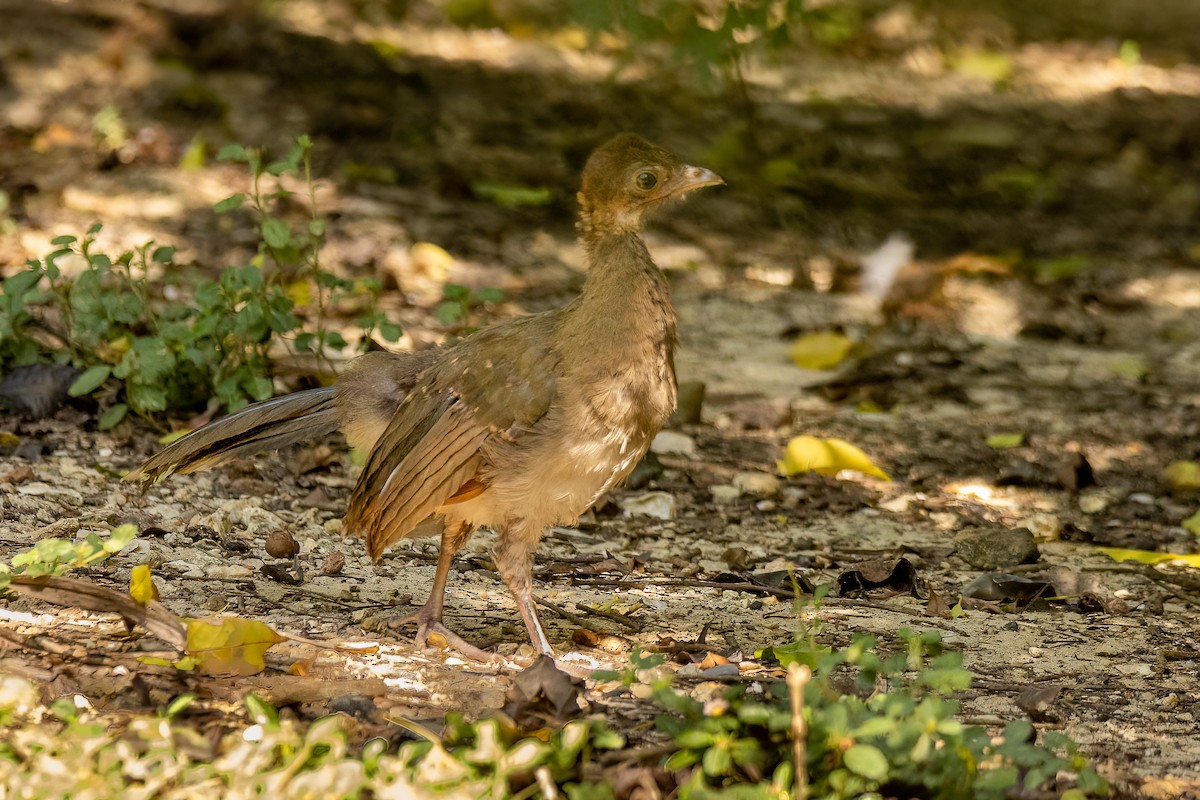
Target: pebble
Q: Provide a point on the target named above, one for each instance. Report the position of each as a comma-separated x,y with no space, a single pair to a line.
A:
673,443
228,572
723,493
1044,526
1093,502
184,569
1141,498
759,484
996,548
281,544
658,505
333,526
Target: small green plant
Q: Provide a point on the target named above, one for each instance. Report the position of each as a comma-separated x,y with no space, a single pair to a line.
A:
56,556
459,303
141,350
895,735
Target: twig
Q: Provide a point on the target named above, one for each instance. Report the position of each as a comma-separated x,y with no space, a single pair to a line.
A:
613,616
741,586
562,612
797,679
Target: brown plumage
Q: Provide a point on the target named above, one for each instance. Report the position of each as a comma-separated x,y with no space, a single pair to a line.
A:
517,428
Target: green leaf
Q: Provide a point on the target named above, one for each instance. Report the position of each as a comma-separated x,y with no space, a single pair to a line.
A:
112,417
90,380
868,761
275,232
390,331
63,241
1004,441
229,203
231,152
488,294
163,255
448,312
717,761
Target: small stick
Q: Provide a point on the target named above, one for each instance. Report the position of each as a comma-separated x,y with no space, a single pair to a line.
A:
620,619
797,678
562,612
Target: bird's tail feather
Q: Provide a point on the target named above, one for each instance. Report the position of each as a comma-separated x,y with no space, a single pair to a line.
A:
268,425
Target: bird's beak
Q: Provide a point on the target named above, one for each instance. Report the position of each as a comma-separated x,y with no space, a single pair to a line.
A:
691,178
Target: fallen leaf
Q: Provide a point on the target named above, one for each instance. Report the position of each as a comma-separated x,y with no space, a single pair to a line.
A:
1004,441
230,645
826,457
821,351
1001,586
1183,475
898,574
1192,523
141,585
1150,556
543,696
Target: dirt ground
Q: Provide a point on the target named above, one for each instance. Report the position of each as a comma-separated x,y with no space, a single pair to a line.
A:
1098,369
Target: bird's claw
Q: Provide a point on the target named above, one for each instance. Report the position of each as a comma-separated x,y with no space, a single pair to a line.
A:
428,625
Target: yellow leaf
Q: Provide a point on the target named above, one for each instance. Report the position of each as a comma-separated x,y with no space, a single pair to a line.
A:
431,261
824,350
1183,475
229,645
141,585
1192,523
173,436
300,292
826,457
1149,556
1003,441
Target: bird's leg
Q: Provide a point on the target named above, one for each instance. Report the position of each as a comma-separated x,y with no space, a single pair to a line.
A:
514,559
429,616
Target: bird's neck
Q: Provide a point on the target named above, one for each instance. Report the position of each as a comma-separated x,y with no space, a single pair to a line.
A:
624,313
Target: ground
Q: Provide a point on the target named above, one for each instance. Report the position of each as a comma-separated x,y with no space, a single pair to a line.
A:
1053,294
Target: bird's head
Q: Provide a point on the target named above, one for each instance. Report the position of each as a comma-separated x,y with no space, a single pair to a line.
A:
627,176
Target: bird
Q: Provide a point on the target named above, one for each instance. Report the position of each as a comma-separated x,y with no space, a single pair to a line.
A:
518,427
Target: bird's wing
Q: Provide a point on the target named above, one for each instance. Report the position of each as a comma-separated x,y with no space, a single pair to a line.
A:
497,384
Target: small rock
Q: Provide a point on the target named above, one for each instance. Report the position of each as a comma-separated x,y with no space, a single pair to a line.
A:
183,569
763,415
659,505
37,390
1141,498
228,572
333,526
995,548
945,520
898,504
333,564
646,470
759,484
1042,525
720,671
673,443
1094,502
18,474
738,558
281,544
724,494
216,602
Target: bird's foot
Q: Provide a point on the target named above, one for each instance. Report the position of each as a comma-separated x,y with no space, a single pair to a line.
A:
430,623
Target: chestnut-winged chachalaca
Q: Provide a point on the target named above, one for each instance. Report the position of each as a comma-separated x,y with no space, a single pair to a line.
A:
517,427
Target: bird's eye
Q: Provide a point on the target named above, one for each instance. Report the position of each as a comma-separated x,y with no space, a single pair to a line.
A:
646,181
